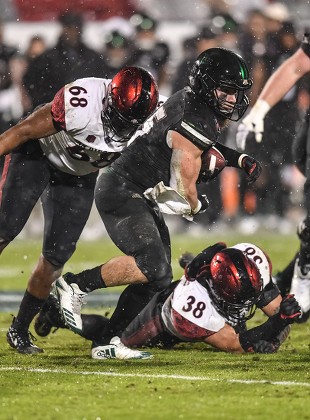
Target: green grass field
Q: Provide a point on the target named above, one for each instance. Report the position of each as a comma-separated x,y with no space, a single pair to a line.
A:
192,381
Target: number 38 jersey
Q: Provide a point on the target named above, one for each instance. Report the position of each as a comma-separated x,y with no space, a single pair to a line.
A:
84,144
189,314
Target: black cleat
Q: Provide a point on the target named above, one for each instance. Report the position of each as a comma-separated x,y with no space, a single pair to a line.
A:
49,317
21,341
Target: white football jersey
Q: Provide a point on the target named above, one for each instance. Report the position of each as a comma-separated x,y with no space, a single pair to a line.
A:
84,145
189,314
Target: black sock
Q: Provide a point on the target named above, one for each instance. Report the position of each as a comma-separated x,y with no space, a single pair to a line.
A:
29,308
93,325
88,280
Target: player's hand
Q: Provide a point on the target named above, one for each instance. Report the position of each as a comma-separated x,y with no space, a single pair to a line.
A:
185,259
290,309
203,204
251,167
252,123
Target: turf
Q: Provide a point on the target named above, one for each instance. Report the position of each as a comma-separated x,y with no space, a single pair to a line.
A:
192,381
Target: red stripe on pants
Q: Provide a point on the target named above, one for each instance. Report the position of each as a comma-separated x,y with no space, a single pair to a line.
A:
4,174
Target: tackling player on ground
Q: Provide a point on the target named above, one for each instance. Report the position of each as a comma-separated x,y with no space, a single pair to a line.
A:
219,293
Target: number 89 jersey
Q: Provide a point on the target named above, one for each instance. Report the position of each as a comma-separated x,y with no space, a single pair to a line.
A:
84,144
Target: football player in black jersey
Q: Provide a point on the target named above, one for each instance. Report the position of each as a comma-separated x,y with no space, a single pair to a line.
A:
280,82
159,171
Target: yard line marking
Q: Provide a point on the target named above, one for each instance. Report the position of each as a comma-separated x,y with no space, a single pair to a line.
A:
159,376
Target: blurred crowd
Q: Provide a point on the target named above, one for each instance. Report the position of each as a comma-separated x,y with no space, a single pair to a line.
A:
265,37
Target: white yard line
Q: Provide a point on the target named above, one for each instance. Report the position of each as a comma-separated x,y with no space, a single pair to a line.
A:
161,376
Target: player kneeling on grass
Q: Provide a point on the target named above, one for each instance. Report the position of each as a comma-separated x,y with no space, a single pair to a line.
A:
220,290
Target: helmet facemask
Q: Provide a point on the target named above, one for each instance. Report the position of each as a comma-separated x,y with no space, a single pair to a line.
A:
220,70
235,313
222,107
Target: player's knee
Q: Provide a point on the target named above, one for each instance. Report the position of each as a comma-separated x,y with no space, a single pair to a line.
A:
160,277
55,259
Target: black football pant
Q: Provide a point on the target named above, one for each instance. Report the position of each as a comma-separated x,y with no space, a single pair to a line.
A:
66,199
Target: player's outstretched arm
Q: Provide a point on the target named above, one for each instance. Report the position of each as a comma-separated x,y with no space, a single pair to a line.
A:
38,124
279,83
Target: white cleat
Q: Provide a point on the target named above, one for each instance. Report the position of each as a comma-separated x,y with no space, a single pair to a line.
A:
300,287
117,350
71,299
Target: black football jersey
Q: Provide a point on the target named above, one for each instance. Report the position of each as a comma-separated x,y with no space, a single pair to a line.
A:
146,161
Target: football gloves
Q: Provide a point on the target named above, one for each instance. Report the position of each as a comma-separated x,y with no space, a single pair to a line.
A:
203,204
251,167
290,309
252,123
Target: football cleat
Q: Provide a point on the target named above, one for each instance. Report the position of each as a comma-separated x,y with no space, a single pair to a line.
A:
71,299
301,289
117,350
21,341
49,317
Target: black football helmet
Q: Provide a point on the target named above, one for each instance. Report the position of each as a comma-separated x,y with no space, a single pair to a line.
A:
235,285
132,98
219,68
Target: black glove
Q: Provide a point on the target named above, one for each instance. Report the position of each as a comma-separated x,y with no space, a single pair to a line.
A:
203,200
185,259
263,346
202,261
290,309
251,167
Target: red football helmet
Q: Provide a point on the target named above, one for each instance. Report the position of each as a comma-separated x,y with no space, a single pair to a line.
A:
133,97
235,284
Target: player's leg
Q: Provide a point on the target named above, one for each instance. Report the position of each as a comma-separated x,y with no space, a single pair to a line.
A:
301,277
67,202
25,175
139,232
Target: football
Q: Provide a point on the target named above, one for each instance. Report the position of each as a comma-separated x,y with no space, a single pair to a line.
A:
213,162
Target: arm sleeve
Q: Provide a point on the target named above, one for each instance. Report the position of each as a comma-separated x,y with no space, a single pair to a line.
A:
58,110
270,292
265,332
231,156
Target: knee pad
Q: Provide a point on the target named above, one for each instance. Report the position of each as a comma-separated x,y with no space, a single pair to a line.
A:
159,275
160,284
55,260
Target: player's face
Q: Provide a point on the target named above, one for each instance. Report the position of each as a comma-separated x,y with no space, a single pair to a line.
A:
227,98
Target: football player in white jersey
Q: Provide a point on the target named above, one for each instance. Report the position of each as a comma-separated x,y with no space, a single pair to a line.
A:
220,290
55,154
